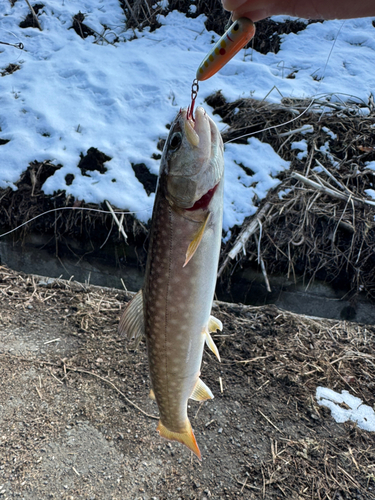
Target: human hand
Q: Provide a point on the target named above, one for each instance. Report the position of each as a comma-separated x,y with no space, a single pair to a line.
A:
308,9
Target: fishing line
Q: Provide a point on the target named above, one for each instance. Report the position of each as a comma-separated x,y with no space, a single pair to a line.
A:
308,107
73,208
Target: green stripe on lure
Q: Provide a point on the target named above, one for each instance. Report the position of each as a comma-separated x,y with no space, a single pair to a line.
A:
233,40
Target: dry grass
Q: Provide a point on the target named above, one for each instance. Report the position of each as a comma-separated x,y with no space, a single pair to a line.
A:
323,224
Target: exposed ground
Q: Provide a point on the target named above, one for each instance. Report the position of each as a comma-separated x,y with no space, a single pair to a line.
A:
69,427
75,418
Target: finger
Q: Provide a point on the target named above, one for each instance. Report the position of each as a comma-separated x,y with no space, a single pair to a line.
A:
254,15
232,5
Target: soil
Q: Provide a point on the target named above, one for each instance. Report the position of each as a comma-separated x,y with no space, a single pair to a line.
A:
76,421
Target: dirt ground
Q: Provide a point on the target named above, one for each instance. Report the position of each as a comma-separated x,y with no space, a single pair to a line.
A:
76,421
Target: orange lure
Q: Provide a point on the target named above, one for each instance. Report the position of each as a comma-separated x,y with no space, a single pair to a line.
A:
233,40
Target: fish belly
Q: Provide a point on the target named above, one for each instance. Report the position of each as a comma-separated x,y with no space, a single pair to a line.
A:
177,306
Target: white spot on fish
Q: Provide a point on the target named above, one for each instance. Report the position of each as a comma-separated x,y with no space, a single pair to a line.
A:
189,351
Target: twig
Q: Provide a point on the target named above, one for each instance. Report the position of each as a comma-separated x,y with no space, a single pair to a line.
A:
262,265
305,128
37,390
351,478
132,12
35,17
342,186
332,192
253,359
264,484
79,370
269,421
244,484
54,376
78,474
310,159
243,237
250,486
119,224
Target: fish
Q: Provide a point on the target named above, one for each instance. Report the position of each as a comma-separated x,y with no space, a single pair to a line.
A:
173,309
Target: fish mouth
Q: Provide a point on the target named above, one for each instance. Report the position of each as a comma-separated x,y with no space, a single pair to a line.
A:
191,134
197,177
196,126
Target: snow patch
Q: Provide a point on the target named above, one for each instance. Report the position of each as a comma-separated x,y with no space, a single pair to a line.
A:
346,407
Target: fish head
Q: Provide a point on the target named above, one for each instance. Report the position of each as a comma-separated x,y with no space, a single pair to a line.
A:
192,164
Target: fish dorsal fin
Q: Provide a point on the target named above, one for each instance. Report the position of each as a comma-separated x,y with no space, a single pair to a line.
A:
132,321
192,248
201,392
214,324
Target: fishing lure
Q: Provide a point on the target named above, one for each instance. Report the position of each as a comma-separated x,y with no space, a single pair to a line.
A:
233,40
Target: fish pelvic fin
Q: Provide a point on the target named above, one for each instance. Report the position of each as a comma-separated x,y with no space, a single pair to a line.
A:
187,438
132,321
193,246
214,324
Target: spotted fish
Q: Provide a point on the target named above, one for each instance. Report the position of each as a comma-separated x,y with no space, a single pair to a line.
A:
174,308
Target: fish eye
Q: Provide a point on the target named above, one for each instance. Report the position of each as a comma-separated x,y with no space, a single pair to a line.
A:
176,141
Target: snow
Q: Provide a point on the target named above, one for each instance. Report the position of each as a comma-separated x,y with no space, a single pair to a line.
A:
300,146
329,132
251,181
370,193
356,411
117,91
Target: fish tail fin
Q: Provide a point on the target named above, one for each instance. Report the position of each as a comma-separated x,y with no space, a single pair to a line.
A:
187,438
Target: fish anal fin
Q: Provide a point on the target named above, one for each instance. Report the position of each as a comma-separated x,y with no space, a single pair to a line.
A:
187,438
194,244
132,321
201,392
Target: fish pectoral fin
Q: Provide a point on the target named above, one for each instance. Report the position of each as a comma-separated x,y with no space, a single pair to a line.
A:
132,321
192,248
187,437
201,392
214,324
152,395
